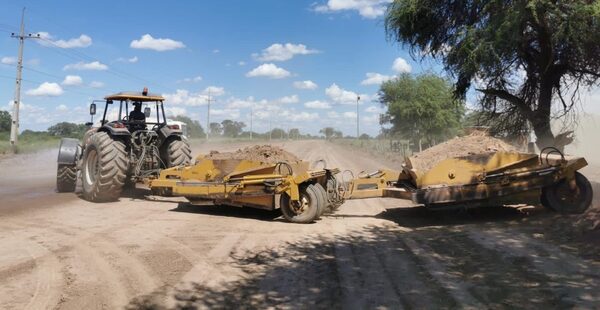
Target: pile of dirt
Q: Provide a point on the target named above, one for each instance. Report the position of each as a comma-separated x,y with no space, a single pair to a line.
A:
475,143
262,153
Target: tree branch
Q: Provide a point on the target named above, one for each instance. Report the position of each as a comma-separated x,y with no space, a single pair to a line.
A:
504,95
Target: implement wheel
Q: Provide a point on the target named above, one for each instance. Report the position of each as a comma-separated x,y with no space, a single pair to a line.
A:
566,197
104,168
306,210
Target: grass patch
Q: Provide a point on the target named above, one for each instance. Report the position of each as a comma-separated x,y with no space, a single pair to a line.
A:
29,142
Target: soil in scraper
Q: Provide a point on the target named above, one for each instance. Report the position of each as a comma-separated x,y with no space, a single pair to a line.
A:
262,153
476,143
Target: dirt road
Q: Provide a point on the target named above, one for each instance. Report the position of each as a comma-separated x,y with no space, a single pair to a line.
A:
59,251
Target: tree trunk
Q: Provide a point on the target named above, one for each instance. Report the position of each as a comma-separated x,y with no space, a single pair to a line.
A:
540,119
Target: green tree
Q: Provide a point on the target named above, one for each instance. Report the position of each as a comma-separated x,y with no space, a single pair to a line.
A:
421,108
278,133
216,129
294,133
523,56
327,132
231,128
66,129
5,121
194,128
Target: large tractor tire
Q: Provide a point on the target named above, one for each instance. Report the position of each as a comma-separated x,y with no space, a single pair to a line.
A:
66,178
104,168
176,153
326,206
562,198
306,210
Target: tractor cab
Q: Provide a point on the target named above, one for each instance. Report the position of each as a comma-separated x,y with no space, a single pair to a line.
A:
134,111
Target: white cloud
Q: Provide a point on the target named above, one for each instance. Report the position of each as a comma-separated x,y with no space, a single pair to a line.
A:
401,66
228,113
82,41
366,8
349,115
133,59
308,84
375,78
175,111
216,51
289,99
269,70
317,104
339,95
185,97
235,103
374,109
241,63
160,45
333,114
302,116
8,60
283,52
96,84
46,89
72,80
62,108
214,91
192,79
94,65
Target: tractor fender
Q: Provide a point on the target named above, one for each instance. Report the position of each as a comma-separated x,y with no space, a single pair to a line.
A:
115,131
69,151
165,133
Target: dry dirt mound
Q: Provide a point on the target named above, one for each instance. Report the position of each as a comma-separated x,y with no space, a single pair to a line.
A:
475,143
262,153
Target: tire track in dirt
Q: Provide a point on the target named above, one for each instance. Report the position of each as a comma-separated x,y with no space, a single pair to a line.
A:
575,280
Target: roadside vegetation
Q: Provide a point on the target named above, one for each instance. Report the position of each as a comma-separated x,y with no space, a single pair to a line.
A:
33,141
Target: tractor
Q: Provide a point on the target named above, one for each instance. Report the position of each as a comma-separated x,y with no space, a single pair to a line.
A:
125,147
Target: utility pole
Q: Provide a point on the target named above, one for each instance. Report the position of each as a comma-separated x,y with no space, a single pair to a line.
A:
14,127
270,128
208,100
357,128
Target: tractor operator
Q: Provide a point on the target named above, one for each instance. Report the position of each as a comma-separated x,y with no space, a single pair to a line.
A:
137,117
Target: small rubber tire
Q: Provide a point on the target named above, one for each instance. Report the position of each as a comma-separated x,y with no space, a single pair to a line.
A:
310,198
552,199
66,178
176,153
105,163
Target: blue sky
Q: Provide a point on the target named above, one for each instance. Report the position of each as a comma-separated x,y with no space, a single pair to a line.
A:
299,63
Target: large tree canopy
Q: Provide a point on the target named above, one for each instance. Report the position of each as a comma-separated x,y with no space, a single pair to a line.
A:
522,55
421,108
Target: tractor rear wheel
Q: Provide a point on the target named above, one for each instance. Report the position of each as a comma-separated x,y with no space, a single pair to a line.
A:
66,178
305,210
176,153
104,168
561,197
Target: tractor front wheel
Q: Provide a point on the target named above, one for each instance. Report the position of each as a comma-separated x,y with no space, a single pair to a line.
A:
104,168
66,178
568,197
